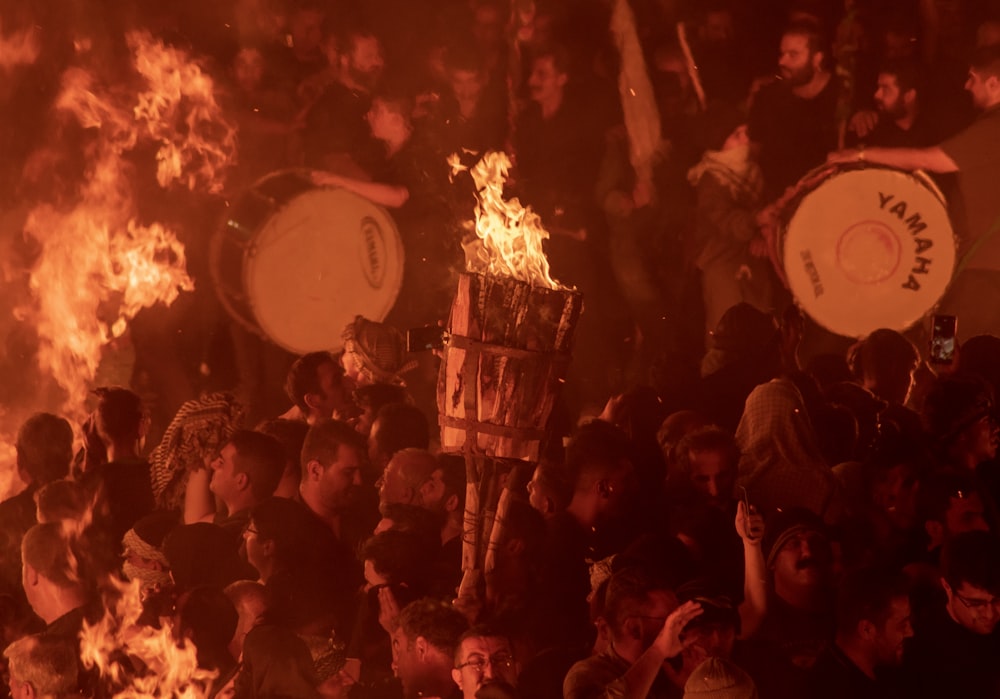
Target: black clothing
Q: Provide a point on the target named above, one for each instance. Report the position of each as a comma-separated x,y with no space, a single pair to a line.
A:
834,676
126,494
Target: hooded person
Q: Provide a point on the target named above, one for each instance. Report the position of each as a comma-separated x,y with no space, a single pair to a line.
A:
728,186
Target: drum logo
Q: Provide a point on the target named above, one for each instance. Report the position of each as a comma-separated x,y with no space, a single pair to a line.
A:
372,252
916,226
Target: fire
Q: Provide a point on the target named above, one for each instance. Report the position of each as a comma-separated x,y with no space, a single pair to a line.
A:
169,669
98,265
19,48
509,235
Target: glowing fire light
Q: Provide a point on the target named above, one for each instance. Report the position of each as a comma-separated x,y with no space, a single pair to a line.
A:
19,48
170,669
98,266
509,235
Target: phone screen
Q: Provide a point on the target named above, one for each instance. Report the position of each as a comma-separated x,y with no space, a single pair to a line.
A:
943,340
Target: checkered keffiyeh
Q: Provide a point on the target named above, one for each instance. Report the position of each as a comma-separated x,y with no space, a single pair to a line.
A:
781,466
199,429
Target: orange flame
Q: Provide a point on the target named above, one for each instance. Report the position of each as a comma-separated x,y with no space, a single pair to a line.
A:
18,49
171,669
98,266
509,235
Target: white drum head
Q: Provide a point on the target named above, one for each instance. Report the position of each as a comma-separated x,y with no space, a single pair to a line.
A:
326,257
869,249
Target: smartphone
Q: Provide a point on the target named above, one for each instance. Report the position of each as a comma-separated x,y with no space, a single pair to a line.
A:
430,337
943,339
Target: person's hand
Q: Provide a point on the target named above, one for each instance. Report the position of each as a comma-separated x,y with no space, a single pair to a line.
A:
850,155
863,122
325,179
388,609
749,525
669,641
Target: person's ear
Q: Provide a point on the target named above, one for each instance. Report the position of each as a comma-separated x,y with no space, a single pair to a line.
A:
604,488
422,647
515,547
456,675
242,481
451,503
818,58
27,691
910,96
935,530
312,400
947,589
30,575
267,547
866,630
633,629
314,470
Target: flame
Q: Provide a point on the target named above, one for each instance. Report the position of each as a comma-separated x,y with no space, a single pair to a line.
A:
170,670
509,235
98,265
18,49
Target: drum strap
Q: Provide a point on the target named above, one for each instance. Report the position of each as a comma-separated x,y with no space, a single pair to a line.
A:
980,241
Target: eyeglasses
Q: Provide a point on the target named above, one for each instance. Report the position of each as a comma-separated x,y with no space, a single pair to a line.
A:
978,603
479,662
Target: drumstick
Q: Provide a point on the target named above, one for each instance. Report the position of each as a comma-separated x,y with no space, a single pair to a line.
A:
692,69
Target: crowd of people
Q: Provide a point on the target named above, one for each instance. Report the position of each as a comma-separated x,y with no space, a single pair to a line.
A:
747,516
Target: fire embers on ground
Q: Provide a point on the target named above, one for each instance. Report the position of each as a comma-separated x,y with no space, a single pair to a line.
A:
98,264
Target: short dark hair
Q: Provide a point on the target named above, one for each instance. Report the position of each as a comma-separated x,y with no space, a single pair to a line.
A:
813,34
597,449
555,479
303,376
867,595
399,556
46,548
439,624
627,594
709,438
290,434
324,439
881,352
262,458
973,558
401,426
906,71
561,59
288,524
483,631
45,447
119,413
986,60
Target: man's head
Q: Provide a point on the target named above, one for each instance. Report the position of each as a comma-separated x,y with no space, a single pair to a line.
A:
305,26
959,415
247,470
409,479
549,76
362,62
44,449
466,70
708,458
423,647
395,557
42,667
250,600
884,362
970,570
331,465
599,460
798,551
896,91
120,416
636,607
873,615
48,570
949,504
315,385
484,656
984,77
390,117
396,426
550,489
802,53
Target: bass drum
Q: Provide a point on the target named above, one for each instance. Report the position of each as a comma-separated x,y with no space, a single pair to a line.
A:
864,248
295,263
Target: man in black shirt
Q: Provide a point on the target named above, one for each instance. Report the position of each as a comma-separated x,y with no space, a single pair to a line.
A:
793,120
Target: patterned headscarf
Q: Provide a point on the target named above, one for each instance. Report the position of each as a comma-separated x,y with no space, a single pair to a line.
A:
199,429
379,350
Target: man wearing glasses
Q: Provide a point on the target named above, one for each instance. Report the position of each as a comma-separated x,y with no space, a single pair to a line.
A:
955,650
484,657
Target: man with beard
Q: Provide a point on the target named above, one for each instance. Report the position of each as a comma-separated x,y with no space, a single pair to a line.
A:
423,648
873,623
899,120
973,155
793,121
336,135
800,609
331,481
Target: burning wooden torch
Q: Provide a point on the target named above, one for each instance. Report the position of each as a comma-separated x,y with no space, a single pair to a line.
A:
510,335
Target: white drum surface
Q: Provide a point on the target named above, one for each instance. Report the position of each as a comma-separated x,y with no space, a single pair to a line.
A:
324,258
869,249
